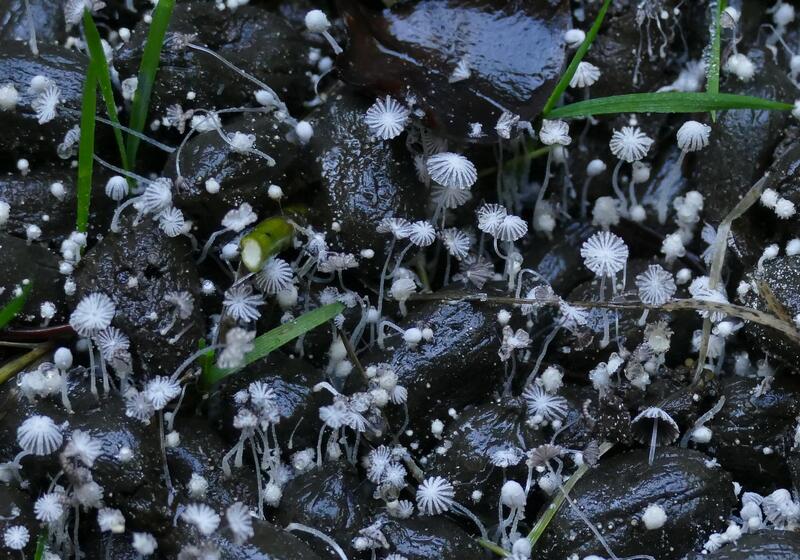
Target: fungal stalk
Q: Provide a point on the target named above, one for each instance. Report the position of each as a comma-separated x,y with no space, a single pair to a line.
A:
552,133
657,426
629,144
605,254
235,220
593,169
156,198
436,495
398,228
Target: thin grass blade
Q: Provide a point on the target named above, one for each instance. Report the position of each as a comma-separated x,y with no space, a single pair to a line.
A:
40,544
666,102
12,368
86,148
491,547
712,74
276,338
543,521
13,307
98,60
563,83
151,58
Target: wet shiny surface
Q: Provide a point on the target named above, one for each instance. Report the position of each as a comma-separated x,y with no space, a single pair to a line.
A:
67,70
362,180
41,268
515,51
242,177
744,141
262,42
30,199
458,367
430,538
292,380
331,499
763,545
158,265
695,498
47,15
479,432
747,424
781,277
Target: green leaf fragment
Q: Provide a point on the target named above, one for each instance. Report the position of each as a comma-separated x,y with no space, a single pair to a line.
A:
13,307
666,102
148,68
563,83
86,149
98,60
276,338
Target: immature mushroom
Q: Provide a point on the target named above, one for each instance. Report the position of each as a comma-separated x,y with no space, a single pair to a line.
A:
692,137
594,168
317,22
554,134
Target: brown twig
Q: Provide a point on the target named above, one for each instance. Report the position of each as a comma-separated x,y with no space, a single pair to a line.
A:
740,311
38,334
351,352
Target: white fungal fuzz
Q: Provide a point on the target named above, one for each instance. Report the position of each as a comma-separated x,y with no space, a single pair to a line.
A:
740,66
9,97
654,517
574,38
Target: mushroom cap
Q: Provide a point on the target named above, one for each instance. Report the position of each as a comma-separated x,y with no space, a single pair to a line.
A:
642,426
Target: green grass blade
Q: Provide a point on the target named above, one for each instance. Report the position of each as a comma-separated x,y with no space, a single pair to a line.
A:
12,368
712,75
666,102
86,148
543,521
40,544
10,310
98,60
277,337
563,83
490,546
147,72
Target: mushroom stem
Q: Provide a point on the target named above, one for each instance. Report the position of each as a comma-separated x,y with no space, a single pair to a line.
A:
332,42
383,275
545,182
653,439
280,104
320,535
209,243
258,479
585,197
31,29
458,508
617,190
